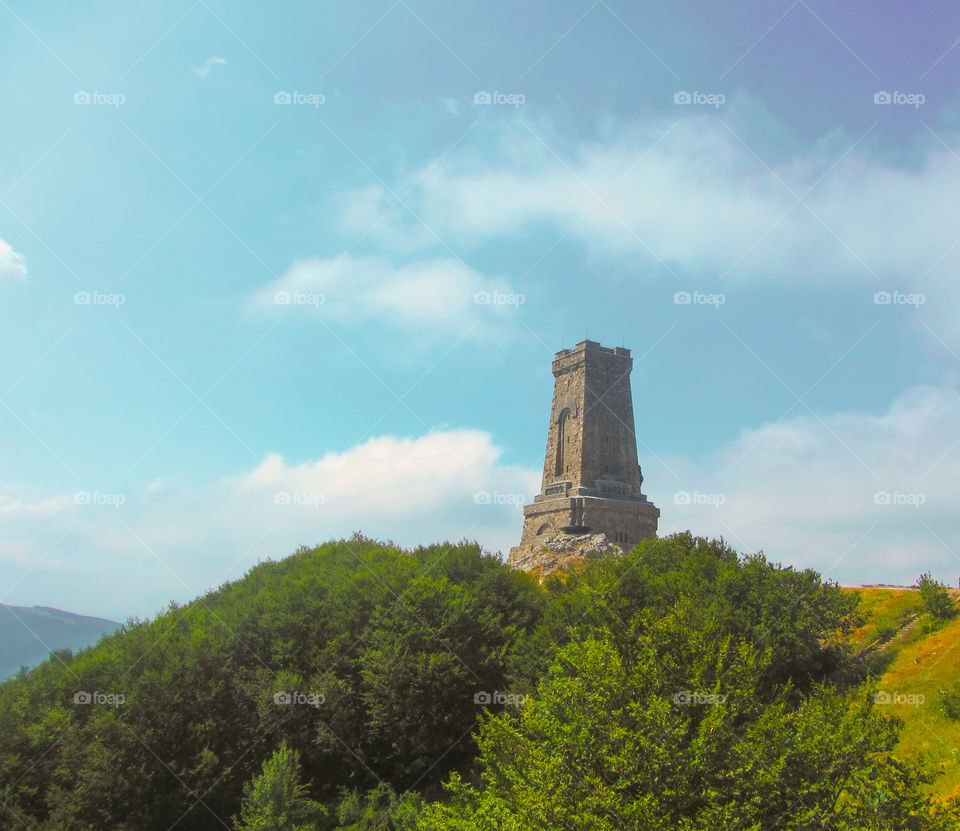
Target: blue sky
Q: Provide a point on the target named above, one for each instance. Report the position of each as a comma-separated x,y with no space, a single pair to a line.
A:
241,251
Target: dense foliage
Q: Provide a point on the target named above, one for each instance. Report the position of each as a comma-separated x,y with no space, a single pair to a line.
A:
679,686
936,599
364,658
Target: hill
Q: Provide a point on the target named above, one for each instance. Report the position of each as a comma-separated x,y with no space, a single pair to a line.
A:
29,633
357,685
914,657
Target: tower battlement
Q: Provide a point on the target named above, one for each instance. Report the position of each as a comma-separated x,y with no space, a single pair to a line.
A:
591,476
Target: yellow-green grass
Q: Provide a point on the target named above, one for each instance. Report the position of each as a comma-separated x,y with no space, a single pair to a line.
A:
920,669
921,662
885,611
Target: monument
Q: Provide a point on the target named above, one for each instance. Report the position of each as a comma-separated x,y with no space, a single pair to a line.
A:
591,476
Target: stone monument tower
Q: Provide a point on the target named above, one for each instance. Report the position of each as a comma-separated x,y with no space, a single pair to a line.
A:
591,479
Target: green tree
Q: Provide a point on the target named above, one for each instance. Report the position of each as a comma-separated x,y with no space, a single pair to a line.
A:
799,617
936,599
276,800
380,809
676,731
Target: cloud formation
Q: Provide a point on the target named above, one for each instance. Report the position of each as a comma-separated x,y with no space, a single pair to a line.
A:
439,296
208,65
861,497
13,266
853,494
128,553
696,194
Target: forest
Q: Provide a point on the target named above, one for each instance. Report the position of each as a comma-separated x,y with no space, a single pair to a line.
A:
360,685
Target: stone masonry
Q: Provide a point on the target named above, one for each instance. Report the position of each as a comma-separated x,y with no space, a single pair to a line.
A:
591,478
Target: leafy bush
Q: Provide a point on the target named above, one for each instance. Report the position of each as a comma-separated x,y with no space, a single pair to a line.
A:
950,702
678,730
936,599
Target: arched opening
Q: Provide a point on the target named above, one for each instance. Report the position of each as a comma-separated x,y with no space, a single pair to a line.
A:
561,440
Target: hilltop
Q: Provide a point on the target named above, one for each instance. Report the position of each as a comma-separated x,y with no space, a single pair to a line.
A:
357,685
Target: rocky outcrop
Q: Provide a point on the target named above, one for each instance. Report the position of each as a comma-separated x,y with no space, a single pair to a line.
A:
561,552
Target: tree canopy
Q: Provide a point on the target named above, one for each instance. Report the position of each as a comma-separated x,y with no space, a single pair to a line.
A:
358,685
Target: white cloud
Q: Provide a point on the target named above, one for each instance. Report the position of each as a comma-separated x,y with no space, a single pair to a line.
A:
815,492
176,542
804,491
698,196
204,70
438,296
17,501
436,475
12,265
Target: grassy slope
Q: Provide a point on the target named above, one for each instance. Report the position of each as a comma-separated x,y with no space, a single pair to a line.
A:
916,661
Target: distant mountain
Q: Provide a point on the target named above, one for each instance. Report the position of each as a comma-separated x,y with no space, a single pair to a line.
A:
29,633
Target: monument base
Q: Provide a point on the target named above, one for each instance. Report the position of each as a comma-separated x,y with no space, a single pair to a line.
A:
561,552
623,522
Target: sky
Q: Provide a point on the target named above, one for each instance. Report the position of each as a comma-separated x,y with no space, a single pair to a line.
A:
273,275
